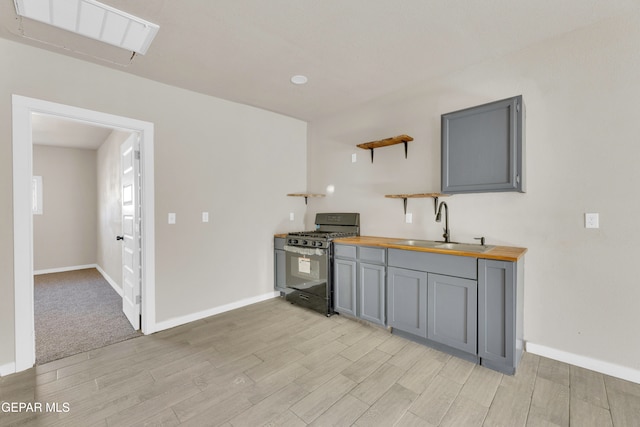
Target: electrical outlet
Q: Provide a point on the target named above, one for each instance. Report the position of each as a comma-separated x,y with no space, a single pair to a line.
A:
292,217
591,220
205,216
353,158
408,218
172,218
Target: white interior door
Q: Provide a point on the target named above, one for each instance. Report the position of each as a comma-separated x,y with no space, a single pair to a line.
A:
131,273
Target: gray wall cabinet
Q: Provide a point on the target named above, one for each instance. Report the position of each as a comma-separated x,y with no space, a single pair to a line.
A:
359,280
452,311
279,264
483,148
407,300
500,314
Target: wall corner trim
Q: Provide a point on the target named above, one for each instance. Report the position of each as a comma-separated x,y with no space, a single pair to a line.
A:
597,365
109,280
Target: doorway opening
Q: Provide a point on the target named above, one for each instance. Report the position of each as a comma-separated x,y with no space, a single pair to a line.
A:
24,110
78,297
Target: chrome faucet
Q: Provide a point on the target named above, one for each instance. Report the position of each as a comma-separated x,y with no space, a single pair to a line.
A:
447,232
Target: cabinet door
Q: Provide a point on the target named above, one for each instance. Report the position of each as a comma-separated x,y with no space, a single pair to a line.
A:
407,300
371,292
344,276
280,267
452,308
496,312
483,148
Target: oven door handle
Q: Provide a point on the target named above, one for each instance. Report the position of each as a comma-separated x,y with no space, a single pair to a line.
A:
304,251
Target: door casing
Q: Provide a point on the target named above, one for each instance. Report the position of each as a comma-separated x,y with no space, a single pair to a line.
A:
22,108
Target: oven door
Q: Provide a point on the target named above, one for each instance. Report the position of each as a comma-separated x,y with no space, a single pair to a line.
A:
307,270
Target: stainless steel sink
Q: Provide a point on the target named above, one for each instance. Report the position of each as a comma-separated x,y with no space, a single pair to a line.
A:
452,246
418,243
465,247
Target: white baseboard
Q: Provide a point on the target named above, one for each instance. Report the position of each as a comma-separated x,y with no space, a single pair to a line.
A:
109,280
9,368
63,269
177,321
601,366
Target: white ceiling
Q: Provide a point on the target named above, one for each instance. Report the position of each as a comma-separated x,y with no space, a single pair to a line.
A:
352,51
58,132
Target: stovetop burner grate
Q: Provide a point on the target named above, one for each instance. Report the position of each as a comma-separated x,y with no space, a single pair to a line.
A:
323,234
329,226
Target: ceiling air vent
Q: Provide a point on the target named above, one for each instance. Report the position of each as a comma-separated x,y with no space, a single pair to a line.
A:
92,19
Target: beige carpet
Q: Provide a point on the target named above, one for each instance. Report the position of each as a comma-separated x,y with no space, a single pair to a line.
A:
76,311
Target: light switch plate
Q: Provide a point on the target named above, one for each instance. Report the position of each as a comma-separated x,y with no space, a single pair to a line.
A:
408,218
591,220
353,158
205,216
172,218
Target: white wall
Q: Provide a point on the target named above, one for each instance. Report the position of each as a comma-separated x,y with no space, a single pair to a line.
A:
234,161
581,91
65,234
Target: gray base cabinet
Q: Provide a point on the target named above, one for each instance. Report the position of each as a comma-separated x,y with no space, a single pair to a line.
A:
407,301
500,308
452,311
471,308
371,287
344,282
279,265
359,275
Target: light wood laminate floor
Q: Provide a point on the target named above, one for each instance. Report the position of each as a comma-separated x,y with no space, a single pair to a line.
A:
279,365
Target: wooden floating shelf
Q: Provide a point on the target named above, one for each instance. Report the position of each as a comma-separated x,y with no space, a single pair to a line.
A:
400,139
305,195
404,197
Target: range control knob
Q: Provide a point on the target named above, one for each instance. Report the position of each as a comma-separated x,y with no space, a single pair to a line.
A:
305,243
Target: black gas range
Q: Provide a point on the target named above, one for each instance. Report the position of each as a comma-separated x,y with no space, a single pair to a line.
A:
308,260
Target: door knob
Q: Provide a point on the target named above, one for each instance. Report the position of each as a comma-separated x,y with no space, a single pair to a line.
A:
119,237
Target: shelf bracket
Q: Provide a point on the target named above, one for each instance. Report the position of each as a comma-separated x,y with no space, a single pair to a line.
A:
435,205
305,195
406,148
371,149
404,201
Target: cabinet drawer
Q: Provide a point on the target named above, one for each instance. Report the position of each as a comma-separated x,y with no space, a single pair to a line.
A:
450,265
375,255
345,251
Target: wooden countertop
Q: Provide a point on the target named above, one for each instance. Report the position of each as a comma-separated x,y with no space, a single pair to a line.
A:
502,253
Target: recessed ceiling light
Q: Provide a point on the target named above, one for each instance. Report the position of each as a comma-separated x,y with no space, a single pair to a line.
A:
92,19
299,79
